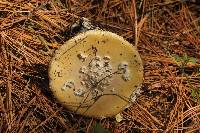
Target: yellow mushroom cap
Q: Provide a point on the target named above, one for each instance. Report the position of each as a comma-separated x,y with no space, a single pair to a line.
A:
96,73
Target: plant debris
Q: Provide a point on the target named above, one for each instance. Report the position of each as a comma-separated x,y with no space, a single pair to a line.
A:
30,32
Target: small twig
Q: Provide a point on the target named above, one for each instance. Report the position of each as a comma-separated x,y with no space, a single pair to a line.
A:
4,112
135,21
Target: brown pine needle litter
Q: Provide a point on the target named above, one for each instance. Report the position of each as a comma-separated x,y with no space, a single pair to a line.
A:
166,33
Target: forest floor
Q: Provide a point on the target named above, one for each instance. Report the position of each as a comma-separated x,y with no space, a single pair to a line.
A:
167,35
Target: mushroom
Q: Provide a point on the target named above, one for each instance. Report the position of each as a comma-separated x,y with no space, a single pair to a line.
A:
96,73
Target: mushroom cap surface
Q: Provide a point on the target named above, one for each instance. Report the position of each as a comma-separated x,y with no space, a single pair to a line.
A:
96,73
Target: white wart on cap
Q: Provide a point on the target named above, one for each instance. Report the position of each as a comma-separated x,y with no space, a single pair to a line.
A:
96,73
